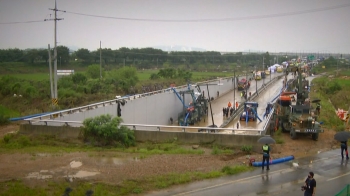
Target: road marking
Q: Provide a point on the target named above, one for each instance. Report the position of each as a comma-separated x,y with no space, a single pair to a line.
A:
229,182
338,176
251,177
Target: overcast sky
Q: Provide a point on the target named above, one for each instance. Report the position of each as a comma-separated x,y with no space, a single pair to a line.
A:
321,30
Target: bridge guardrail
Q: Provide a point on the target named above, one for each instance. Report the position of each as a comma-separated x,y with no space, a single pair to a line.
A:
167,128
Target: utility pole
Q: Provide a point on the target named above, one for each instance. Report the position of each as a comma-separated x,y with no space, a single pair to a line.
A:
100,61
55,99
264,71
234,88
256,83
270,70
50,69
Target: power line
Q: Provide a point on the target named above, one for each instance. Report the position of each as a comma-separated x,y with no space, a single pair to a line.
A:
219,19
31,21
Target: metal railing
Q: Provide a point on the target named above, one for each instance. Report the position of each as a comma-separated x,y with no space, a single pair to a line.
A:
164,128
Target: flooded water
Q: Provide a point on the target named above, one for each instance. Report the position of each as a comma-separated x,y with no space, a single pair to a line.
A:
218,104
75,164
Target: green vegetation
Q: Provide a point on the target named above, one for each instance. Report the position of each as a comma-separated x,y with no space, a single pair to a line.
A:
14,187
333,93
105,131
221,150
247,148
162,148
5,114
50,144
278,136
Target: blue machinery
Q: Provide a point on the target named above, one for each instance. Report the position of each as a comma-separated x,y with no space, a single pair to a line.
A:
250,111
187,107
193,112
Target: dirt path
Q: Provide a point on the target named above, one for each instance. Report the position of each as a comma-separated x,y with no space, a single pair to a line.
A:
113,167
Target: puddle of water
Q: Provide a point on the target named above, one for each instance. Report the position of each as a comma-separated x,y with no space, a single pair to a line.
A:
83,174
75,164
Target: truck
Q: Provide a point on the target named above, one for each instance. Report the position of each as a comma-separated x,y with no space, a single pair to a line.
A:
293,111
243,84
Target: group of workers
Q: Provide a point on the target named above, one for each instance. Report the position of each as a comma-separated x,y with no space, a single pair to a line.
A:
226,111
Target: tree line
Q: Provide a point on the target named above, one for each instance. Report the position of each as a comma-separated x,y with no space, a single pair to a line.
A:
139,57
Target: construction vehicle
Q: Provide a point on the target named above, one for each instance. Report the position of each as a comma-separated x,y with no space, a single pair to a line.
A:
243,84
195,110
279,69
257,75
249,113
292,110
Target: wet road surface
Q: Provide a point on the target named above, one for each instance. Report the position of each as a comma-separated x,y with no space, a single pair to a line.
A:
332,174
263,99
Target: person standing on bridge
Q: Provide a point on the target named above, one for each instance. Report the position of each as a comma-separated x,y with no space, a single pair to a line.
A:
310,185
344,147
266,156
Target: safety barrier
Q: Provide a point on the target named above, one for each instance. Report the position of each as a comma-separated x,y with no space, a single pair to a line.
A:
145,127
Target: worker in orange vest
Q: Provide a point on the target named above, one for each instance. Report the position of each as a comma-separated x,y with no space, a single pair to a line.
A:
229,104
236,105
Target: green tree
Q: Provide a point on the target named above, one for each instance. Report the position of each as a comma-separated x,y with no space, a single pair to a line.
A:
94,71
168,73
84,55
62,54
107,131
267,57
123,78
79,78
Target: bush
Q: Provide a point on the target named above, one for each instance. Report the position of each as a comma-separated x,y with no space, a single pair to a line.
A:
333,87
4,119
107,131
279,141
247,148
8,137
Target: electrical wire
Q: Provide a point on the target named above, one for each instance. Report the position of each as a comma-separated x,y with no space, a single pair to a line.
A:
31,21
198,20
219,19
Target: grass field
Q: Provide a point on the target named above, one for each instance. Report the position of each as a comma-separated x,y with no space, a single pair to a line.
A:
143,75
8,112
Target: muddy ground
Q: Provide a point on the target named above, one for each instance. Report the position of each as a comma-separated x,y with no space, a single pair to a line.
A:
112,168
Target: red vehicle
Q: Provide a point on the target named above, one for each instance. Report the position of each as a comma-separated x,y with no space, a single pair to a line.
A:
243,84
